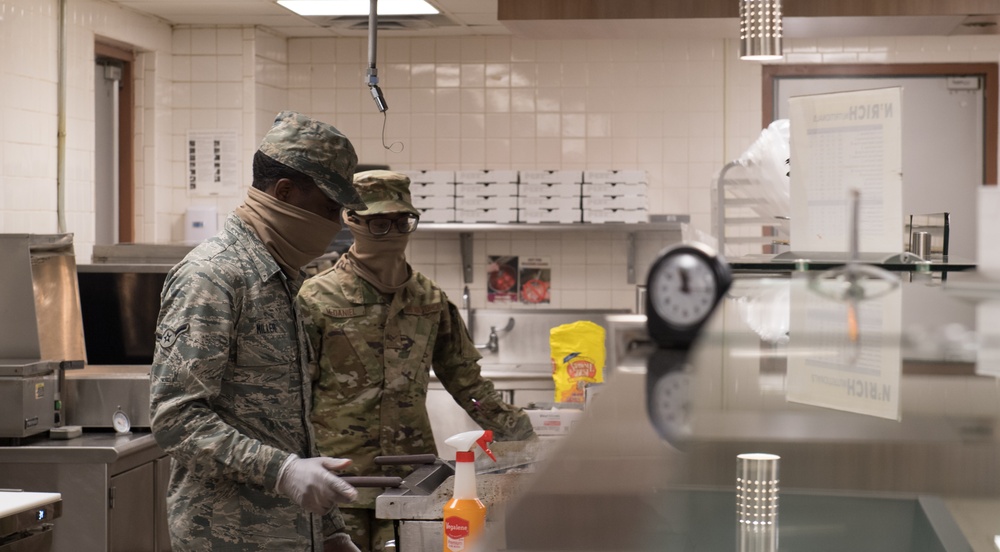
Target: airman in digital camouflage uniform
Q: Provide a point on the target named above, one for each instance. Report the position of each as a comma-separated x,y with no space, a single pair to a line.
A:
229,384
379,327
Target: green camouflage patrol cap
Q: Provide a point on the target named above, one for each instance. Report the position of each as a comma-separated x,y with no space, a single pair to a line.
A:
316,149
384,192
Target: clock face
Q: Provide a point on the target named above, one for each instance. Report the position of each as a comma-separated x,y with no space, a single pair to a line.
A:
683,289
121,422
670,406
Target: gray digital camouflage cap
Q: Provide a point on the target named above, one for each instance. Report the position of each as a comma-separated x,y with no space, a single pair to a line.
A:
316,149
384,192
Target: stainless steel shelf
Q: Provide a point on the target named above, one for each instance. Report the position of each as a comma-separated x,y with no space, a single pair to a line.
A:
466,231
550,227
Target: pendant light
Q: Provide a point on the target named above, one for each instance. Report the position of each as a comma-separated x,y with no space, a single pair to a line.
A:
760,29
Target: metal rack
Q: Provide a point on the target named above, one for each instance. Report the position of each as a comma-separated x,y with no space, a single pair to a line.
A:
733,211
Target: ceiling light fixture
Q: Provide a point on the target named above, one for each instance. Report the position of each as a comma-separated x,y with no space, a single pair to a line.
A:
358,7
760,29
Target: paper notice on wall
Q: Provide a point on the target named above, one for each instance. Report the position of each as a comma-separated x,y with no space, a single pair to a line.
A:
851,353
839,142
501,279
988,338
213,162
535,280
988,227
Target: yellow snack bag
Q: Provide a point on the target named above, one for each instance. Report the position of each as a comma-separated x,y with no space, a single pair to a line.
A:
577,352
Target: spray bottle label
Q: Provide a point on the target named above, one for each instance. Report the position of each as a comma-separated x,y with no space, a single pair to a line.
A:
456,530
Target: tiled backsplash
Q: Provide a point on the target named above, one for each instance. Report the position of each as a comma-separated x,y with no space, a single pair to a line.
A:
677,108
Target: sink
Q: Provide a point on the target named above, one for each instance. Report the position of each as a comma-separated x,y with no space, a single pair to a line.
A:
705,520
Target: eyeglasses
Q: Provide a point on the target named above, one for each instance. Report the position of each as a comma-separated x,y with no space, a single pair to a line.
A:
381,226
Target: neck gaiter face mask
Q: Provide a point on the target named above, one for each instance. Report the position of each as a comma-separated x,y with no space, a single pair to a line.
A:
292,235
381,260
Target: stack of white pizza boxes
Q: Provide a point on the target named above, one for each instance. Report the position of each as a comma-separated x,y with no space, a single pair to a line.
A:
433,194
550,196
486,196
615,196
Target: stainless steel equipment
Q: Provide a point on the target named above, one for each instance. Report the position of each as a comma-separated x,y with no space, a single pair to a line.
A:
851,478
41,322
120,304
416,505
26,520
41,299
113,489
97,392
27,397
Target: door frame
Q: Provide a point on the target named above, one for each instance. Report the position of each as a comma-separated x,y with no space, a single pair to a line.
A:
987,71
126,138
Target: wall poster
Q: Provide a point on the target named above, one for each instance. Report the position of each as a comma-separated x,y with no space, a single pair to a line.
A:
535,280
213,162
510,279
501,279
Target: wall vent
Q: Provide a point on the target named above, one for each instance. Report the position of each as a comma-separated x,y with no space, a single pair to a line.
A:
385,23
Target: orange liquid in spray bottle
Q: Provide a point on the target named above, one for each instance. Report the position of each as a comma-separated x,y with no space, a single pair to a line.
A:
465,515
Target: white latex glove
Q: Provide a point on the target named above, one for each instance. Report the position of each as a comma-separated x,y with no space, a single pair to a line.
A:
339,542
312,485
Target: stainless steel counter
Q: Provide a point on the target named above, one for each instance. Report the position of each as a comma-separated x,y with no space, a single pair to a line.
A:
113,488
919,452
90,448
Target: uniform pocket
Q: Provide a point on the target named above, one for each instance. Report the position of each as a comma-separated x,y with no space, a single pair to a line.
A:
280,347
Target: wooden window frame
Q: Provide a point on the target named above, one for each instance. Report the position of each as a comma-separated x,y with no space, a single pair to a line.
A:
988,71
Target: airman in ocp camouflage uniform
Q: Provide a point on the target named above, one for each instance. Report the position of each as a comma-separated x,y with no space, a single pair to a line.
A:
229,378
379,327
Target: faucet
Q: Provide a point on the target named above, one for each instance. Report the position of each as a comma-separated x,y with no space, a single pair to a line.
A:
493,343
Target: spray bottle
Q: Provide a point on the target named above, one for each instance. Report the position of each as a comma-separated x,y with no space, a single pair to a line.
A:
464,514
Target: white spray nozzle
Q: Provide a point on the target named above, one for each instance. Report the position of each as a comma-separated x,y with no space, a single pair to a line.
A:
464,442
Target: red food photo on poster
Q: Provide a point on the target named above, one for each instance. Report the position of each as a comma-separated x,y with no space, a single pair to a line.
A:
501,279
536,280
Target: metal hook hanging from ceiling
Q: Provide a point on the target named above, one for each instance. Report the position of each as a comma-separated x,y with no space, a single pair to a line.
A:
372,76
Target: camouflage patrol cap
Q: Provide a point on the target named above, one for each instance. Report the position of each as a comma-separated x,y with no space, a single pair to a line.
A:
315,149
384,192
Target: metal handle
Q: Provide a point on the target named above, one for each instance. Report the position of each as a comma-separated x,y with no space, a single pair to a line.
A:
405,460
373,481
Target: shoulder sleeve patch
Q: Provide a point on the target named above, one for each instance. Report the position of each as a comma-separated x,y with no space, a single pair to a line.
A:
168,337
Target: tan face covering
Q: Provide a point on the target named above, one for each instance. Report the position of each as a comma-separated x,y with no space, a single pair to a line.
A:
381,260
293,236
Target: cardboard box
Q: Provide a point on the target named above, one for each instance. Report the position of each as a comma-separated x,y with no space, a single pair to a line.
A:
433,201
554,422
551,177
562,216
486,202
614,188
615,215
444,189
486,188
486,215
615,202
486,176
436,215
625,177
548,202
430,177
549,189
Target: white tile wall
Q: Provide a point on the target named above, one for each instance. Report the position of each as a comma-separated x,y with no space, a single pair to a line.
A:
28,114
676,108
